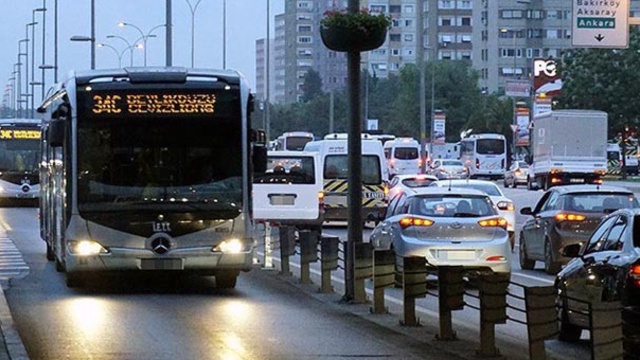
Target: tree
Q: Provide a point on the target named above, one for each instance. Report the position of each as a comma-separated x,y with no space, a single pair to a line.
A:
603,79
311,86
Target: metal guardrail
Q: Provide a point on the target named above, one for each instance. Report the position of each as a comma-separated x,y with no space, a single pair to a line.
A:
497,299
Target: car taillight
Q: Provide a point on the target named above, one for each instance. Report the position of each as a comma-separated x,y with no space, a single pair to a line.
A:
506,205
563,216
412,221
517,172
496,258
634,273
494,222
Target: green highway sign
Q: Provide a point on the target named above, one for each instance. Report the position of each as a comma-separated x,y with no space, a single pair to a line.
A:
600,24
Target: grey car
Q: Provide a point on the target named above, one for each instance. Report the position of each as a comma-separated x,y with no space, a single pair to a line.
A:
448,169
517,174
448,227
567,215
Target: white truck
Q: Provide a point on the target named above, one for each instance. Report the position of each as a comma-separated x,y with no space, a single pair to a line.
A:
568,147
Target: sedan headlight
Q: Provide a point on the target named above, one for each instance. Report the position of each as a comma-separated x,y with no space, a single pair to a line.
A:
232,246
86,248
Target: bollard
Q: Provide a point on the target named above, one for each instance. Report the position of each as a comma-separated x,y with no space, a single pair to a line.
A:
328,261
606,330
308,253
414,285
493,310
542,318
450,297
383,277
287,248
267,264
363,269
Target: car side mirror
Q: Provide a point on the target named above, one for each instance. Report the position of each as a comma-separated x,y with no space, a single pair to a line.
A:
526,211
376,215
572,250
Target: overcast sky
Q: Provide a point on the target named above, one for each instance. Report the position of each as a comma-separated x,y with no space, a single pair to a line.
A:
246,21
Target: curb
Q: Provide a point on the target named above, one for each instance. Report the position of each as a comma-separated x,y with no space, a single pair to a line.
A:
12,342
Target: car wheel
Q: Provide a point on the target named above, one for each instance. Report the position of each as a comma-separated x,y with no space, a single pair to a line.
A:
568,331
550,266
74,280
525,262
50,253
226,279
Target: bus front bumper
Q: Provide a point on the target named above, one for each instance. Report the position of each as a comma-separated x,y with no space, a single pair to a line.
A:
193,261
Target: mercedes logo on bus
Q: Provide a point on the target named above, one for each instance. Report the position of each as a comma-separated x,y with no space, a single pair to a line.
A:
160,245
25,188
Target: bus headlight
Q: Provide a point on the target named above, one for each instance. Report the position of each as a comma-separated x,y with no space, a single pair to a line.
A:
233,246
86,248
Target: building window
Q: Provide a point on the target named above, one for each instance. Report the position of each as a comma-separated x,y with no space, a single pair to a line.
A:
408,23
394,37
394,9
395,22
408,37
305,5
408,9
465,21
465,4
378,8
395,52
305,39
466,38
444,21
304,28
446,4
303,17
511,14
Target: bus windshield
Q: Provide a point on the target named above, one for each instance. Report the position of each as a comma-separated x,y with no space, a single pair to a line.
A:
19,149
161,160
297,143
336,167
490,146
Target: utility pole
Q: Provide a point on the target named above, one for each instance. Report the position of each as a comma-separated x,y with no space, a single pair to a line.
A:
421,93
168,35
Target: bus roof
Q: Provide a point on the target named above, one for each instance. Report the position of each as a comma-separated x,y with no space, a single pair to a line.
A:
156,74
486,136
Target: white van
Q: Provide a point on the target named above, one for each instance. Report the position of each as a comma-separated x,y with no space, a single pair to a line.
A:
335,165
290,191
403,156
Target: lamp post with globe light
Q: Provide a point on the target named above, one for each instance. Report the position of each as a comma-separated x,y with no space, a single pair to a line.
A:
144,36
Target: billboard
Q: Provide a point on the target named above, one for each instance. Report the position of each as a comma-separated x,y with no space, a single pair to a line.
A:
439,129
546,80
518,88
522,128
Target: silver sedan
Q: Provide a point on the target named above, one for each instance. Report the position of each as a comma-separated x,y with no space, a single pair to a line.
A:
448,227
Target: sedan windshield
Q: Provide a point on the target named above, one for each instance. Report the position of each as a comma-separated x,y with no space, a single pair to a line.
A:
599,202
452,206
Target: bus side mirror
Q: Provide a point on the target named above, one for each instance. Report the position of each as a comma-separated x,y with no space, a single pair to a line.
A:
259,159
56,132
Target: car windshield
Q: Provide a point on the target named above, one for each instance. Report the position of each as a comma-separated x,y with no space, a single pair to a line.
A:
451,206
452,163
599,202
417,182
490,189
406,153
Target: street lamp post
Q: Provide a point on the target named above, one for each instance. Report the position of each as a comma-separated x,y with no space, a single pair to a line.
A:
43,9
33,54
91,40
26,65
129,46
513,72
193,9
142,35
118,53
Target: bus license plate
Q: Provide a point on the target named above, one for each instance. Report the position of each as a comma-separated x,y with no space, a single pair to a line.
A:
284,199
580,180
161,264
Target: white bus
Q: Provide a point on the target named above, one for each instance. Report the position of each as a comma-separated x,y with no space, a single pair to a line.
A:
19,157
293,140
485,155
149,169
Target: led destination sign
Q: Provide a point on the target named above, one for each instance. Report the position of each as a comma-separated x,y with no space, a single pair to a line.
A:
12,134
148,104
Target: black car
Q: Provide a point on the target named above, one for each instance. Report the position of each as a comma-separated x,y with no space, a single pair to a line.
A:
605,268
567,215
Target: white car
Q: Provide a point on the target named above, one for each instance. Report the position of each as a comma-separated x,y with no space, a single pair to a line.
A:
448,169
505,205
402,183
460,227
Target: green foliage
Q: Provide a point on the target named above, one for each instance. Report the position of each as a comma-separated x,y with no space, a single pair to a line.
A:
395,102
603,79
311,86
361,19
